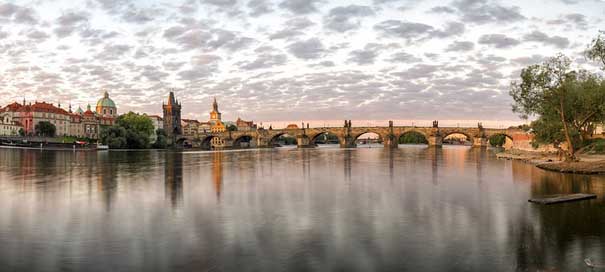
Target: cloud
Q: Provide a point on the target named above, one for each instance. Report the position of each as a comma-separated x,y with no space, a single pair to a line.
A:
460,46
299,6
403,57
538,36
308,49
342,19
416,31
141,15
405,30
572,20
259,7
293,28
498,41
18,14
72,18
369,53
37,35
487,11
442,9
265,60
219,3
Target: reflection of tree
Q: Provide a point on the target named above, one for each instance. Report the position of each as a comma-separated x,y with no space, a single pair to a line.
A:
217,172
107,183
558,236
173,178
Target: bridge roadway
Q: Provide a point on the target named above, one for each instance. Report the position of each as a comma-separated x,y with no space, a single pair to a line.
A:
347,135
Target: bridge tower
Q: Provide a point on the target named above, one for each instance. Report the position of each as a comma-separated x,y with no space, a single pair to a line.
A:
172,118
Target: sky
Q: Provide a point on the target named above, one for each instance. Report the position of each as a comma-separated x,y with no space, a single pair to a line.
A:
290,60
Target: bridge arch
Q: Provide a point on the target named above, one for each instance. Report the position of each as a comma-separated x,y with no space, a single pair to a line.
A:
329,138
275,138
358,136
468,136
412,137
507,140
208,141
244,141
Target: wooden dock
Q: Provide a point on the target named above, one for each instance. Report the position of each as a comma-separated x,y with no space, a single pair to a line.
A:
562,199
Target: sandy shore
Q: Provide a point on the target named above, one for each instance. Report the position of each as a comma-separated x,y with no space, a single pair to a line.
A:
587,164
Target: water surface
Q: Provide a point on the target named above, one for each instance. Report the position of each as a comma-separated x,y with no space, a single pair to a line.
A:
326,209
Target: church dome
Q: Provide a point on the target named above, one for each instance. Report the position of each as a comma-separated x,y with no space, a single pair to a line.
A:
106,102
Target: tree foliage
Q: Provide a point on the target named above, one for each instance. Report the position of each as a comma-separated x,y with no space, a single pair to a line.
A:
566,102
45,129
497,140
596,49
137,122
161,140
231,127
131,130
412,138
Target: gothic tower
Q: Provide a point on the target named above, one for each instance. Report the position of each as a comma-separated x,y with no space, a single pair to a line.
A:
172,118
215,115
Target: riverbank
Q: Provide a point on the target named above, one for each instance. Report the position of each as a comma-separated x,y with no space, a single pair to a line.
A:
532,157
588,164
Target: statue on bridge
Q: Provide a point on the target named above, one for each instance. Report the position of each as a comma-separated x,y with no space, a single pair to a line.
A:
480,125
435,124
348,123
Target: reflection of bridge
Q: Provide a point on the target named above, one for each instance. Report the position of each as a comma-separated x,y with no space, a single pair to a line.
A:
347,135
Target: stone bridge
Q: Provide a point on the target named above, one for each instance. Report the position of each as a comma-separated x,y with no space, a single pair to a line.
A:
347,135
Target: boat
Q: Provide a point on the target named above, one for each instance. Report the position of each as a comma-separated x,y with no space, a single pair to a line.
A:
102,147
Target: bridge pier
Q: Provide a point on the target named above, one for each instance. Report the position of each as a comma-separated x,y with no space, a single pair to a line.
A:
302,141
347,142
435,140
480,142
262,142
390,141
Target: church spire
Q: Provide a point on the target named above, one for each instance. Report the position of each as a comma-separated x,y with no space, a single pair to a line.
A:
215,105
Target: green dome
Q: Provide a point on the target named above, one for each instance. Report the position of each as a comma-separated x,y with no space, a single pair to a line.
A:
106,102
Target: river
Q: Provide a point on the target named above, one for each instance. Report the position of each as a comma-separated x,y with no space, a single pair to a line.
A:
326,209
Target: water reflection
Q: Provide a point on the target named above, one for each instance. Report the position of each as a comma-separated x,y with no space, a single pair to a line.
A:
409,209
107,181
217,173
173,178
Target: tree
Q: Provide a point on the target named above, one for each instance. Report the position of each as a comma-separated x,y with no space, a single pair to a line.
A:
161,140
21,132
231,128
45,129
114,137
564,100
131,130
138,122
497,140
412,138
596,49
